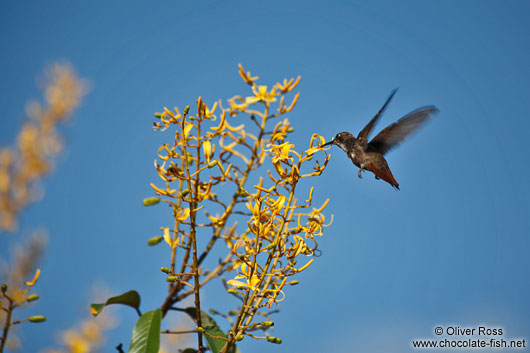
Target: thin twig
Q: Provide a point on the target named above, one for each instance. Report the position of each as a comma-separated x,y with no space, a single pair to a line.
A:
7,324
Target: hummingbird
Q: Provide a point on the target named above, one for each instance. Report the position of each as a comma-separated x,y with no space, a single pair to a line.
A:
369,156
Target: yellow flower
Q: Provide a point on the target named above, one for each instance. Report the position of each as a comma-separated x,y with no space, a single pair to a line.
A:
167,192
280,130
234,105
35,278
305,266
215,220
205,190
221,125
207,148
288,85
277,206
187,130
209,112
182,214
261,94
311,151
167,238
299,247
203,109
252,279
293,103
316,220
246,75
281,152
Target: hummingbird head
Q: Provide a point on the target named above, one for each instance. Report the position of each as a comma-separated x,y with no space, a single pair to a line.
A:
340,140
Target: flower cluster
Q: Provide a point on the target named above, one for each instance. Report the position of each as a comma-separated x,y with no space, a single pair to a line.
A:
38,143
207,179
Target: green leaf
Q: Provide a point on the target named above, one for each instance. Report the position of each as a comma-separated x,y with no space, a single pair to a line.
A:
130,298
211,327
146,333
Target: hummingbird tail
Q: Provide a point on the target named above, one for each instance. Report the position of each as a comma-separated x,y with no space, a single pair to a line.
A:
385,174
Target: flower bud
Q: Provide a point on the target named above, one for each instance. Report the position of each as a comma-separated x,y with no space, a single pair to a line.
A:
270,246
239,338
32,297
154,240
291,129
267,323
200,329
212,164
189,159
274,340
37,318
158,115
150,201
172,279
294,283
165,270
186,110
184,192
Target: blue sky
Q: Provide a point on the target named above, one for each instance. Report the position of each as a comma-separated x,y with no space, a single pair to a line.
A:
450,248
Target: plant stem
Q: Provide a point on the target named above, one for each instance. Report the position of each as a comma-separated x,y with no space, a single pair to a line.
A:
7,324
193,240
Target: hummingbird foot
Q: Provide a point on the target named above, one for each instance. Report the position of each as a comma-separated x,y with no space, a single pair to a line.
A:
377,178
359,173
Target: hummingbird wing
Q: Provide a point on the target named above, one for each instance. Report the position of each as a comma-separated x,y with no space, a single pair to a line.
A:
394,134
362,138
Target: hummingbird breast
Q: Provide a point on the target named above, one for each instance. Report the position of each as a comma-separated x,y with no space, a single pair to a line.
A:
352,155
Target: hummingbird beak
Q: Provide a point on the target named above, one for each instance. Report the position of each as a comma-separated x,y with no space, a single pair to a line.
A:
328,143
